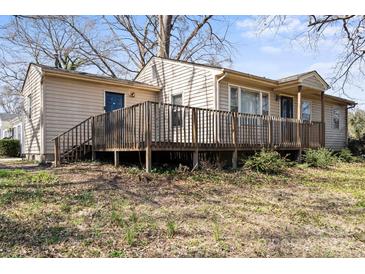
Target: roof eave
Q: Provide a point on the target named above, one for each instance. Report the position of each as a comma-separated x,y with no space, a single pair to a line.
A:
263,80
123,83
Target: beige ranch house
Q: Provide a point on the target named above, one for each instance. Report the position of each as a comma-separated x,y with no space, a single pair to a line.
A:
177,106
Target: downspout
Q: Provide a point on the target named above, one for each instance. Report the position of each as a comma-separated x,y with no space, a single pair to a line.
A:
42,121
217,90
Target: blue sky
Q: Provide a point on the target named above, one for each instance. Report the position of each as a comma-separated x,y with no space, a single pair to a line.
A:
274,54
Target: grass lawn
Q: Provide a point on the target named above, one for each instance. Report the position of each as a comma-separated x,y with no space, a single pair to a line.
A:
94,210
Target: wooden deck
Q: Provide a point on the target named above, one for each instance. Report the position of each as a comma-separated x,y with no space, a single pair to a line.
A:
152,126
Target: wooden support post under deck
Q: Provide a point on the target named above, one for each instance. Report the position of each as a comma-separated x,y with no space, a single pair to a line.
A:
93,158
57,155
116,158
299,115
234,138
323,135
148,134
194,118
347,125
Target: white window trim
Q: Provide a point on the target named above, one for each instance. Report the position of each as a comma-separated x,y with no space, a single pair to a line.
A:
154,74
229,96
30,105
239,90
310,109
175,94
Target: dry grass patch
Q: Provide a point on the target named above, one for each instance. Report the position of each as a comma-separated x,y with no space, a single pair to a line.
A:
94,210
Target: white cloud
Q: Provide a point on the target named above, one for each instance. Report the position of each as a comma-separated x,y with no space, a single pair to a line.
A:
323,68
270,50
252,27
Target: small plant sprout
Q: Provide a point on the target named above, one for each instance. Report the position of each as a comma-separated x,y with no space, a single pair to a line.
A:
171,228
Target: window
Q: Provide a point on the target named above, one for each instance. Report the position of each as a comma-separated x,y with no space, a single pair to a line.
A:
306,110
19,132
265,104
335,118
176,111
233,99
30,105
154,72
250,102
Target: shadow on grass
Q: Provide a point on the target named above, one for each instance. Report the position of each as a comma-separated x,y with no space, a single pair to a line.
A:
35,238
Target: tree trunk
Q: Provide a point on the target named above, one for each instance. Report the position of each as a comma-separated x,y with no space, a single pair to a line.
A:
164,35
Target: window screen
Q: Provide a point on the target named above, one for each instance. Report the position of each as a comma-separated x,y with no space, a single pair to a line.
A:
250,102
335,118
176,111
306,111
265,104
234,99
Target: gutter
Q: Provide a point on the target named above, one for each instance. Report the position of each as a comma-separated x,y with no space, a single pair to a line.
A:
111,81
217,89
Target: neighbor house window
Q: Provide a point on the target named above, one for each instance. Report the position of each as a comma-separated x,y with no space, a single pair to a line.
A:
176,111
306,111
335,118
233,92
29,105
19,132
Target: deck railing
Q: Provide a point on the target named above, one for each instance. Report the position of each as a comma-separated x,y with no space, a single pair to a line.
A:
162,126
75,143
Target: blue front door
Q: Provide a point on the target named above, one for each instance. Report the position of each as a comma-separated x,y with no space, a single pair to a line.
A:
113,101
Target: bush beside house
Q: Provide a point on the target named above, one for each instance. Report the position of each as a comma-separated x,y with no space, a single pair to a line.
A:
9,148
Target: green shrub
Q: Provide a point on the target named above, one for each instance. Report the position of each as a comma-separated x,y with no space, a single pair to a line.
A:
357,146
9,147
267,161
321,157
346,156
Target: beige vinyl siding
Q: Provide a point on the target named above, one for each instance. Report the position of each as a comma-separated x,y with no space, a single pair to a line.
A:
313,82
69,101
33,125
195,82
335,138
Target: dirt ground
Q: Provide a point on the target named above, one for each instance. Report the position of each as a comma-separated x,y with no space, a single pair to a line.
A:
95,210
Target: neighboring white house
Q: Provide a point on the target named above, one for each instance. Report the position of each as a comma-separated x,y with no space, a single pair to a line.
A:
5,125
11,126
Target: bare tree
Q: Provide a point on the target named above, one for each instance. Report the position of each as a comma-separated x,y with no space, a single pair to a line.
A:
191,38
351,62
350,33
40,40
116,46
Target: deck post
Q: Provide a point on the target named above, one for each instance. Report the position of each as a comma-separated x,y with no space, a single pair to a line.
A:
93,139
116,158
148,133
270,129
194,118
234,138
57,155
299,115
323,127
